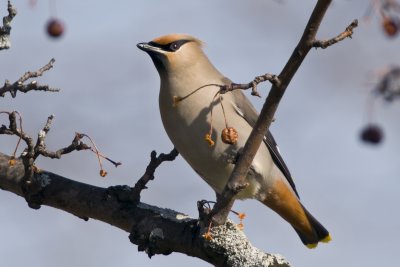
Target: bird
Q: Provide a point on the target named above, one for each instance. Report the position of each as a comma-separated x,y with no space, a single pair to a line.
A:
194,111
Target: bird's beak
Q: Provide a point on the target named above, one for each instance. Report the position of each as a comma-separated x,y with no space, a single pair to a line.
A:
148,48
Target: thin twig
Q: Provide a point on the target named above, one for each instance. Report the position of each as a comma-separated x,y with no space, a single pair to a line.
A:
346,34
40,148
253,84
38,73
155,161
19,85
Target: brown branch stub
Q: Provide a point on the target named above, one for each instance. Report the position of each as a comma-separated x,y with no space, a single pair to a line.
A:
19,85
148,175
238,176
5,30
346,34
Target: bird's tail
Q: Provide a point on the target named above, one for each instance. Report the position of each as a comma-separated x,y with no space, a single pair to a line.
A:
320,234
285,202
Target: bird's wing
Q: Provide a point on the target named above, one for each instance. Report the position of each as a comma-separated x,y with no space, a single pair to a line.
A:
246,110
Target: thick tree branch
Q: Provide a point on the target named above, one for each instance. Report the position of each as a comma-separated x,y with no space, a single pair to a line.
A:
5,30
237,180
154,230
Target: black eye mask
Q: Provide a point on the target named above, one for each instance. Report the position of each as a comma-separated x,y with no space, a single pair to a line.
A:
171,47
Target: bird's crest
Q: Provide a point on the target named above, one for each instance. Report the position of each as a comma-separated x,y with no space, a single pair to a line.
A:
167,39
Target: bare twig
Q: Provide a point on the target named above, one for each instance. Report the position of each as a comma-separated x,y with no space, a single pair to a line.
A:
29,186
237,180
76,145
13,129
38,73
253,84
33,151
346,34
148,175
19,85
40,148
5,30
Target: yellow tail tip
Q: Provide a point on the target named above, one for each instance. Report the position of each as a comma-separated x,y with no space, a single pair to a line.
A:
311,246
326,239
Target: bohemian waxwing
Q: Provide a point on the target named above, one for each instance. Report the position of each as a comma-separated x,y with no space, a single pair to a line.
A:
192,111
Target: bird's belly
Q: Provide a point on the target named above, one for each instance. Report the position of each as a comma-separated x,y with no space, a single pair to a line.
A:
189,122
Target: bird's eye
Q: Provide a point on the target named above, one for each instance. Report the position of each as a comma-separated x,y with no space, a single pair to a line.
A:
174,46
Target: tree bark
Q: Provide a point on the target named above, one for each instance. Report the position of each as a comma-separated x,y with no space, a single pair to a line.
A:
155,230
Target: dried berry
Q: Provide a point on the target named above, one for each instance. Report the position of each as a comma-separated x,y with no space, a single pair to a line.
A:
241,215
390,26
229,136
103,173
11,162
209,140
55,28
372,134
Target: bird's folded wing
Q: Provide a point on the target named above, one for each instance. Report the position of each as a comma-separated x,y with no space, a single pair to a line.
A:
246,110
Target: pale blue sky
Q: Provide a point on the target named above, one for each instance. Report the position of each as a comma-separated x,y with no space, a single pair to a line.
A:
108,84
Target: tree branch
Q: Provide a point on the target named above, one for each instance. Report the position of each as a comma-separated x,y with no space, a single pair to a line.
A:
155,161
237,180
346,34
253,84
5,30
154,230
19,85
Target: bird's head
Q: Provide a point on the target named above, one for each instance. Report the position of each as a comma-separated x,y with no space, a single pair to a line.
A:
174,52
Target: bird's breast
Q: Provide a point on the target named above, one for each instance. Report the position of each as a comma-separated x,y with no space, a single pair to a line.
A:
189,120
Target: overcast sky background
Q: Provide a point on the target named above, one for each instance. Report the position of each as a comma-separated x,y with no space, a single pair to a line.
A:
110,91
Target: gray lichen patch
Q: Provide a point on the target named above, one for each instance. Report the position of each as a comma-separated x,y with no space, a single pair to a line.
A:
157,233
229,239
43,179
166,213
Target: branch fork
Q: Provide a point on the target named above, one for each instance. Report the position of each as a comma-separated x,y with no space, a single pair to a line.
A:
253,84
19,85
29,184
348,33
